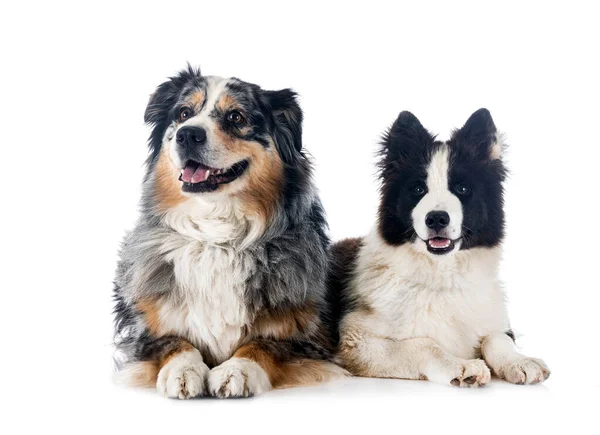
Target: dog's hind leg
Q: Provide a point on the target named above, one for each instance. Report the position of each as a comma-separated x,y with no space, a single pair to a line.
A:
414,358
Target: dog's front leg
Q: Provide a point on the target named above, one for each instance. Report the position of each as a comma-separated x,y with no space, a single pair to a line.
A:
500,353
171,363
414,358
251,370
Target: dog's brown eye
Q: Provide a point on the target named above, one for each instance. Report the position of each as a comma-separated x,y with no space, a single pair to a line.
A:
184,114
235,117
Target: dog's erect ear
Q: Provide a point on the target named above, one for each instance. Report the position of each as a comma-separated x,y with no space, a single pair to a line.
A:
480,133
405,140
406,135
287,114
406,120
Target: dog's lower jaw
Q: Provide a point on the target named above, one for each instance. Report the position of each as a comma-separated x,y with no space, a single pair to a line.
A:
211,179
238,377
430,245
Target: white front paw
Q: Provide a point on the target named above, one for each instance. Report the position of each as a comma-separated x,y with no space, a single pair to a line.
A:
473,373
525,371
238,377
184,376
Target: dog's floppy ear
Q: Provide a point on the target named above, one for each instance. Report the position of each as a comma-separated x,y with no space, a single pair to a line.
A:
157,114
161,102
480,134
287,131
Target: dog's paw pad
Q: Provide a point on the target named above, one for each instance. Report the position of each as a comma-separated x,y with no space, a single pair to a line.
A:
525,371
238,377
470,380
184,376
475,373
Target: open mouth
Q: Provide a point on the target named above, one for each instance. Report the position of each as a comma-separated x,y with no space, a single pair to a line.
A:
197,177
440,245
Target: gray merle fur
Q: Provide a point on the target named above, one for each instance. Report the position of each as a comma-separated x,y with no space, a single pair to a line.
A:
290,258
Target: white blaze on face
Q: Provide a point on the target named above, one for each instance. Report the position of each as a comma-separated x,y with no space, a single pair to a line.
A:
215,86
438,198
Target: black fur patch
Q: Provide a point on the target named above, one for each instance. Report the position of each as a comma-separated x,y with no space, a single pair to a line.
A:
405,153
511,334
471,165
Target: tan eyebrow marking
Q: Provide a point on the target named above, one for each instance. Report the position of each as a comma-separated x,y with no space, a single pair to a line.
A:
197,99
227,102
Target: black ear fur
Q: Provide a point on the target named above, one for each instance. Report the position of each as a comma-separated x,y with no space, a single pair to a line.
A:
407,120
160,102
406,137
479,133
407,132
288,117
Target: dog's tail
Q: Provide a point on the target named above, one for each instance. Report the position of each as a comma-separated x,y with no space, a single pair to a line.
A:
137,374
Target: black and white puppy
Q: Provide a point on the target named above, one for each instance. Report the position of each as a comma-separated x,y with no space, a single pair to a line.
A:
421,295
221,284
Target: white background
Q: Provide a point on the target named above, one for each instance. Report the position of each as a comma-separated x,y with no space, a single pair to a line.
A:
75,79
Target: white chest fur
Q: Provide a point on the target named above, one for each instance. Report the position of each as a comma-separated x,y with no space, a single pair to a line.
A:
211,273
455,300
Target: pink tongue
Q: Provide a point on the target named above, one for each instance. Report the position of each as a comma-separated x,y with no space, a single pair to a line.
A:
188,172
439,243
199,175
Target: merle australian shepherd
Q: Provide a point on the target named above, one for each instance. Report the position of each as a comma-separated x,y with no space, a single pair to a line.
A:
221,284
421,297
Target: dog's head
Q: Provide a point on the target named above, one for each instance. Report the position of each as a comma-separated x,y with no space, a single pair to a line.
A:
214,136
442,196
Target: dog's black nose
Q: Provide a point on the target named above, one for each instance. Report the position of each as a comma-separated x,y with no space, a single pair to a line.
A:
191,136
437,220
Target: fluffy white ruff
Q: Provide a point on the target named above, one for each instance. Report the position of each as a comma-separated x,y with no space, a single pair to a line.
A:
455,299
212,272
